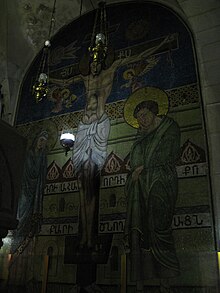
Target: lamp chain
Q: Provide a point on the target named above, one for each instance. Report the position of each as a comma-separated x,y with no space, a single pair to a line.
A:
52,20
105,25
94,30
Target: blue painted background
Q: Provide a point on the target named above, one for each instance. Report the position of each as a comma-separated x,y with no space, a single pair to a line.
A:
159,22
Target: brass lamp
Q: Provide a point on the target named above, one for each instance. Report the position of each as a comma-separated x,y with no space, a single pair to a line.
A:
99,41
40,87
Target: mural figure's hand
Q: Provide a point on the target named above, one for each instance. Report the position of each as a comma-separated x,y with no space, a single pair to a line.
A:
137,172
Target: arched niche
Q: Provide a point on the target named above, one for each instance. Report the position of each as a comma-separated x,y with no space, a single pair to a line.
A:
171,67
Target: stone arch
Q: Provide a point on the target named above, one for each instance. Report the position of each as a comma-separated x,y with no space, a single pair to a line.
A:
203,20
207,45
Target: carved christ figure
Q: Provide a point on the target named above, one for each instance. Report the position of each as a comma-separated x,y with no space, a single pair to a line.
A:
99,81
89,154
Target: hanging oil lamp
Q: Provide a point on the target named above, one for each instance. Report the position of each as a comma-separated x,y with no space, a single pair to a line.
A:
99,42
40,88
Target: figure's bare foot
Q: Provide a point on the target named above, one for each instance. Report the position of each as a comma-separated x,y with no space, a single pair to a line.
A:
140,286
90,244
93,288
83,242
126,244
165,286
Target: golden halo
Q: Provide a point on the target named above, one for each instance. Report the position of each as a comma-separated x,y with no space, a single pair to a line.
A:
125,73
145,94
46,125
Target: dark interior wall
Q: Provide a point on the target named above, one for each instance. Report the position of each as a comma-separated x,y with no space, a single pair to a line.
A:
154,59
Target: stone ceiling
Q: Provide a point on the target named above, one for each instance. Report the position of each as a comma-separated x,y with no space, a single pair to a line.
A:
36,17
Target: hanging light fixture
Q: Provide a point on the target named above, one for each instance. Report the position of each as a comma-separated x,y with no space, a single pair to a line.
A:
40,87
99,41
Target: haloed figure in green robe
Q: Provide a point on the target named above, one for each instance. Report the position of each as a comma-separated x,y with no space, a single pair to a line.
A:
151,190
